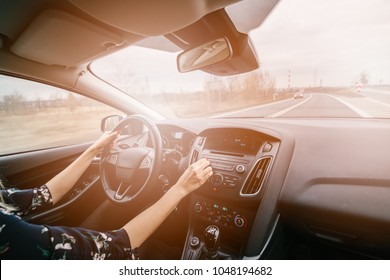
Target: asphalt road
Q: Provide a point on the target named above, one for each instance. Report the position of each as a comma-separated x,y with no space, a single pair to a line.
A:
371,104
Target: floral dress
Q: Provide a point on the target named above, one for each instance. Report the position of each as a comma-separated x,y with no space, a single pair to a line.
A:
22,240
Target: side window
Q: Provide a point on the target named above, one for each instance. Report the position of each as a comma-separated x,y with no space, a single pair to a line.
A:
36,116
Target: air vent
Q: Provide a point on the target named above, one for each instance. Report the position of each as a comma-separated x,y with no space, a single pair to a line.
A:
256,178
194,157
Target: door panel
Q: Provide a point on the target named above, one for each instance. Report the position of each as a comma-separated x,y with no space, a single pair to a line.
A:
32,169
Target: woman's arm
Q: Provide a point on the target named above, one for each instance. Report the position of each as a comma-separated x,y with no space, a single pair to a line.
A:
142,226
65,180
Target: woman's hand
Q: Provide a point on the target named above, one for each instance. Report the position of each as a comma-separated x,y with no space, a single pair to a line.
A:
194,176
60,184
103,141
143,225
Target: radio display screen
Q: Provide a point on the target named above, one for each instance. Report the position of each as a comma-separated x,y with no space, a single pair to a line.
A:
238,141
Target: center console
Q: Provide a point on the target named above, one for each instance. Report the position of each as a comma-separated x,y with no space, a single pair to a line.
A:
233,222
222,211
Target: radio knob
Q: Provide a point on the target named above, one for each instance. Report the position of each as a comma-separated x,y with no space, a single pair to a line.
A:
198,207
194,242
216,179
240,168
239,221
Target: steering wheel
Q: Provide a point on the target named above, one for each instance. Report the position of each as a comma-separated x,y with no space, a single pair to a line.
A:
126,157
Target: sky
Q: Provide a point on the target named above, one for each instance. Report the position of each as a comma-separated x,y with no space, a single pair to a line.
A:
333,41
315,42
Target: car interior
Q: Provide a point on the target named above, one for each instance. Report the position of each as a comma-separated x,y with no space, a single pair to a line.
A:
282,188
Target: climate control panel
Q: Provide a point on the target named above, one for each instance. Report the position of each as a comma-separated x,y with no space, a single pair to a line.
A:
220,214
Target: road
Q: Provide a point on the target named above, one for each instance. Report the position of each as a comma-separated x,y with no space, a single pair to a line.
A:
370,103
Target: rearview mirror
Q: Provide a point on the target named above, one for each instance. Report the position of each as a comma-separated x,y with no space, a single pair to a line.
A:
204,55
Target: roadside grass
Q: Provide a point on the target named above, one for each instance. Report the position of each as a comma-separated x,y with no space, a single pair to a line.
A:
52,127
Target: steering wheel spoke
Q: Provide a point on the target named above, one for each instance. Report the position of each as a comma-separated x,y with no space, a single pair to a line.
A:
122,191
147,162
111,158
142,140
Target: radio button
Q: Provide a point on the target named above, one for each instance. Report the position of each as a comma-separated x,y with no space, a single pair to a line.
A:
240,168
216,180
267,147
194,242
239,221
198,207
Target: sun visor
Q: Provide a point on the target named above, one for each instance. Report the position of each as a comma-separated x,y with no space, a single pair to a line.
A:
58,38
150,17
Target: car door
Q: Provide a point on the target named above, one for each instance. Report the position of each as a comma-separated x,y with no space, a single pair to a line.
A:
43,130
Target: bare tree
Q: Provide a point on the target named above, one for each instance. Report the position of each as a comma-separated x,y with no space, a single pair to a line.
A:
258,85
71,102
364,78
234,86
13,103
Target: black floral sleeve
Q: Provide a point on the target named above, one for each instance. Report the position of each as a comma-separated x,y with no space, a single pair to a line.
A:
22,240
80,243
22,202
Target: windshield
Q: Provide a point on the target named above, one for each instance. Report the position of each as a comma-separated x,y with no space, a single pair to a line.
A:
318,59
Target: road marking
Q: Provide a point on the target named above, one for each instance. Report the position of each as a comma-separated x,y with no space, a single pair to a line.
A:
379,102
366,107
250,108
376,90
290,108
353,108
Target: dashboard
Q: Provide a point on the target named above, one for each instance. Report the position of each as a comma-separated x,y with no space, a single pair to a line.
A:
242,160
324,179
177,139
